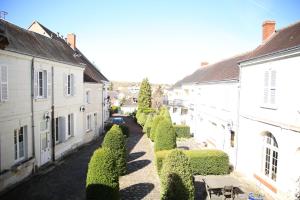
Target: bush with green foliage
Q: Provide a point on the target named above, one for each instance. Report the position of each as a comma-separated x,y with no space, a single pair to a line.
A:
115,140
142,119
182,131
155,122
114,109
165,137
165,113
148,124
144,98
125,130
177,180
203,162
102,180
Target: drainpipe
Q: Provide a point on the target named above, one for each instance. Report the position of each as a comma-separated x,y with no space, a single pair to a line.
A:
52,117
32,108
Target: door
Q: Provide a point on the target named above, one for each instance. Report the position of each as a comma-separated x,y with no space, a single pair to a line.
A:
45,147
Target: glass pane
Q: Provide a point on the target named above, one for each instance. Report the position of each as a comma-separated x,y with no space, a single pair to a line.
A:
69,84
44,141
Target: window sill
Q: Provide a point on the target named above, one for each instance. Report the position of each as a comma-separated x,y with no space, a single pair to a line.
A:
269,107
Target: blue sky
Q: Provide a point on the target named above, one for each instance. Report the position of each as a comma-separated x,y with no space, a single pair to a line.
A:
163,40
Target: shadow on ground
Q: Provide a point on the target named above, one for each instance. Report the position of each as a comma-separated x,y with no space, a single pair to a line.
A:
134,156
137,191
137,165
200,190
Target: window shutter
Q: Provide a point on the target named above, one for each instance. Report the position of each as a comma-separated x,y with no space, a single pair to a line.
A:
273,87
73,90
266,87
4,84
49,83
45,81
35,84
62,129
65,84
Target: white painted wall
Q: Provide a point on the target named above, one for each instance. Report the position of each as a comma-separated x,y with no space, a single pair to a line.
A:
281,119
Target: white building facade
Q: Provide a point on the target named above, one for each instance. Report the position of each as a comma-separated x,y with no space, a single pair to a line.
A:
269,120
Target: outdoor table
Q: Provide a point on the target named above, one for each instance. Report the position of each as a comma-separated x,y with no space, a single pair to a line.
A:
215,184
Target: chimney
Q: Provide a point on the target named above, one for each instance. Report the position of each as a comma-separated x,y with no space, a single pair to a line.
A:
71,40
268,28
203,64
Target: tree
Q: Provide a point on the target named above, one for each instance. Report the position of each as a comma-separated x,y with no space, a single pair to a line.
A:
157,98
144,99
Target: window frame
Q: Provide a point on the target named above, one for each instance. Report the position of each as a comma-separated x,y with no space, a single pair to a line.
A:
270,89
88,96
3,68
70,125
270,159
17,157
88,122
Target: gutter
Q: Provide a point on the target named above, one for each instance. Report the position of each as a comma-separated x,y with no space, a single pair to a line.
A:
32,108
52,117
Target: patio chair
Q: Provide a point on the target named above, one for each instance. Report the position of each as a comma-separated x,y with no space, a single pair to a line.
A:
228,192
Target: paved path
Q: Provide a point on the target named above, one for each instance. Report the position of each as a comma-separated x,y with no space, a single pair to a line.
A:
65,181
141,181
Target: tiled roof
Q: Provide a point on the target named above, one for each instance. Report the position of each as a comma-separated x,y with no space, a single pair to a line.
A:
282,39
34,44
224,70
55,48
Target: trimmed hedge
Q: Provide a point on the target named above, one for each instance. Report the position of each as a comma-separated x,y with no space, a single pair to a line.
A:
114,140
102,180
203,162
125,130
148,124
164,112
155,122
142,117
165,137
182,131
177,178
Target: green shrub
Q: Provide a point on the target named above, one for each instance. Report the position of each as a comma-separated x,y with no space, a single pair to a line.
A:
177,178
164,112
142,117
203,162
148,124
165,137
102,180
115,140
155,122
208,162
182,131
125,130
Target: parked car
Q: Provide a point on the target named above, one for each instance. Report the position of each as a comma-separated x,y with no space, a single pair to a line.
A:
119,121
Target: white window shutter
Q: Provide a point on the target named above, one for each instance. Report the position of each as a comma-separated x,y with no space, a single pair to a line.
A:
266,87
65,81
49,83
73,89
45,82
35,84
4,83
273,87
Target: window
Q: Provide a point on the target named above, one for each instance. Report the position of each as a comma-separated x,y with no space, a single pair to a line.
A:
89,122
271,156
56,130
95,120
88,97
69,83
41,83
174,110
70,125
232,135
3,83
184,111
269,87
19,143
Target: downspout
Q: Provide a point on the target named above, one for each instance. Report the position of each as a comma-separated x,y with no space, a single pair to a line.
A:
52,117
32,109
238,118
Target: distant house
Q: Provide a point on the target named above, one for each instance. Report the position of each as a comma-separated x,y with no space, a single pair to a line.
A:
269,120
42,108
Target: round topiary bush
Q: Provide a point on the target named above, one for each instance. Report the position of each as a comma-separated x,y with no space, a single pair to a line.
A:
155,122
165,136
176,177
115,140
148,124
102,180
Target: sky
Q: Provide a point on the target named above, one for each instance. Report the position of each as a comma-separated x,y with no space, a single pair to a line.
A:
163,40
